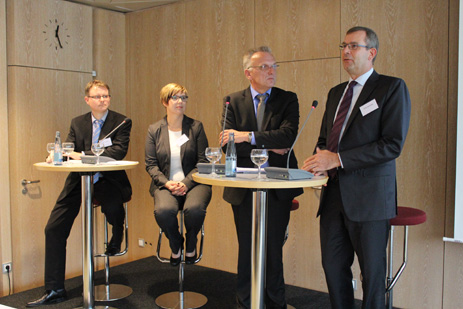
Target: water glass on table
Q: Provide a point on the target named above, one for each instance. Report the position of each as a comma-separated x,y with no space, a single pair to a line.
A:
259,157
50,149
213,154
97,150
68,148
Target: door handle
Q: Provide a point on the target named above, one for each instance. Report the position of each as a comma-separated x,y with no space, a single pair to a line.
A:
26,182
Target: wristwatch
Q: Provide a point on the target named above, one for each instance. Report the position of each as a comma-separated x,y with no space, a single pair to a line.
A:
249,137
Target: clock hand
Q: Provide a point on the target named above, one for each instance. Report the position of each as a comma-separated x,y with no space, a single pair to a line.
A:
57,36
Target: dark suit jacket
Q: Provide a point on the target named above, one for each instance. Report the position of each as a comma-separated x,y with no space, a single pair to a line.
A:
157,152
369,146
80,134
280,124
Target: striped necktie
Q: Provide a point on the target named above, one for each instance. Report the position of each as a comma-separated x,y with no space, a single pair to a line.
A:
97,124
333,140
261,110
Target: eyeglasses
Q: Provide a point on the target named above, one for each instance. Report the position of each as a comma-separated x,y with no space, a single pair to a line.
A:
175,98
352,46
99,97
264,67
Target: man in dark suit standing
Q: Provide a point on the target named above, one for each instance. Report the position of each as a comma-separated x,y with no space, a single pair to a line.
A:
272,125
363,132
111,189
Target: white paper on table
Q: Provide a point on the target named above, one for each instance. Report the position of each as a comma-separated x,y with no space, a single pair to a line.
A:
249,170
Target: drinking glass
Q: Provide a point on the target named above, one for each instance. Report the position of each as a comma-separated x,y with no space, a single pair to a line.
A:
97,149
51,149
213,154
68,148
259,157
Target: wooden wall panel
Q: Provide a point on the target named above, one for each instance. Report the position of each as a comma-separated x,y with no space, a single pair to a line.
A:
422,24
298,29
214,69
453,252
310,80
5,214
155,56
109,55
109,63
30,212
31,35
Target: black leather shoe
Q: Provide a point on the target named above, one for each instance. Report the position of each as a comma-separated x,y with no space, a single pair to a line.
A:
49,297
191,259
114,247
175,261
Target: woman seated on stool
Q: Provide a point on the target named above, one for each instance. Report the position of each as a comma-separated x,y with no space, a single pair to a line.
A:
174,145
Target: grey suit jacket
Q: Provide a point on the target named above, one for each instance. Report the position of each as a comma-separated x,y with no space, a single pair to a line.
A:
280,124
157,152
369,146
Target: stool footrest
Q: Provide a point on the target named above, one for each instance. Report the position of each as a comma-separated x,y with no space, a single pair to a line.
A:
111,292
185,300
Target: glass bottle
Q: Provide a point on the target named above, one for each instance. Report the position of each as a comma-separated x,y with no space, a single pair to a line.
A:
230,157
58,153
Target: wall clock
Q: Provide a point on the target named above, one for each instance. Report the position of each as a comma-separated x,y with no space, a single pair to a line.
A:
56,34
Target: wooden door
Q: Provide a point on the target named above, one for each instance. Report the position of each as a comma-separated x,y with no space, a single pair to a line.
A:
41,102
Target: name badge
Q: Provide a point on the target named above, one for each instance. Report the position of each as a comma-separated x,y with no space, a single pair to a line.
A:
182,140
106,142
368,107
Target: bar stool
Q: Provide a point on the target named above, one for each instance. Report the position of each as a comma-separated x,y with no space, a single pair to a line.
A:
181,299
107,291
406,216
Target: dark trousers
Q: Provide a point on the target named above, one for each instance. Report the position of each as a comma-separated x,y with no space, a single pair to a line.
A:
60,223
194,204
277,221
340,239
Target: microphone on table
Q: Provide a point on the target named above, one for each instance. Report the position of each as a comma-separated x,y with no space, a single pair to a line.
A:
291,173
123,121
227,102
206,168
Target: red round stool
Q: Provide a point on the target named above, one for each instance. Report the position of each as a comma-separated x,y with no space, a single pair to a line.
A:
406,216
294,206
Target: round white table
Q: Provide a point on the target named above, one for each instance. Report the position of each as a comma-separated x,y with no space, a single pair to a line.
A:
87,171
259,217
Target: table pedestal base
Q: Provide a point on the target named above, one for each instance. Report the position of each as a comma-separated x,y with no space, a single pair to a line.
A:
177,300
112,292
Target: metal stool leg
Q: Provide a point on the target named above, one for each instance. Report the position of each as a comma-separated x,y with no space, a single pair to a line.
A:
107,291
181,299
391,281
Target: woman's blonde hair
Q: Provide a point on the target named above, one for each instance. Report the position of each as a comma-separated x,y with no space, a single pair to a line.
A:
170,90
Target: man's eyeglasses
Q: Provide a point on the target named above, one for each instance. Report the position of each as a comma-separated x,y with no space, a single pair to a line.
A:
264,67
99,97
352,46
175,98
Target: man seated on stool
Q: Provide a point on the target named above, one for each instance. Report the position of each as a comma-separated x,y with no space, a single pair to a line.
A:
110,189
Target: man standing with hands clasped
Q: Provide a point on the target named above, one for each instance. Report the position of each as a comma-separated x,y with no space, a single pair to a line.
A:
110,189
266,117
363,132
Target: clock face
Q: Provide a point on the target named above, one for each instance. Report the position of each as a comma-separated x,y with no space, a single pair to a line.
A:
56,34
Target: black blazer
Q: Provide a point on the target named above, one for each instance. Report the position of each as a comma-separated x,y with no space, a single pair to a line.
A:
280,124
157,152
369,146
80,134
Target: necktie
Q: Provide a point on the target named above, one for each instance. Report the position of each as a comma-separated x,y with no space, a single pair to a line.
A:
333,140
260,110
97,124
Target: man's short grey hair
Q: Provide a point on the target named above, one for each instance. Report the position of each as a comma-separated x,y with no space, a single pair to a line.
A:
251,52
371,38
